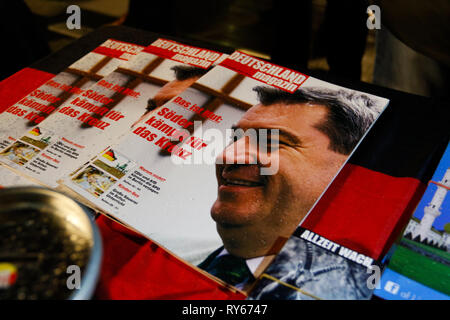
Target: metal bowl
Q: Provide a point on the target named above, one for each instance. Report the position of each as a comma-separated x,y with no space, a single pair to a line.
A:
50,248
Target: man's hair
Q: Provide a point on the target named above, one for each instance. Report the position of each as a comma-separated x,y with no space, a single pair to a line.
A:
350,114
183,72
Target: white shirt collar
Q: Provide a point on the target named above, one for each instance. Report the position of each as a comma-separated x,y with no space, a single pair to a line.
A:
252,263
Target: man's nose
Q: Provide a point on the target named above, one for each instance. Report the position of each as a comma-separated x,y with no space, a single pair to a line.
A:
242,151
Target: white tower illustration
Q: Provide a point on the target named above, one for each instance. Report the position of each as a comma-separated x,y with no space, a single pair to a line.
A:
433,210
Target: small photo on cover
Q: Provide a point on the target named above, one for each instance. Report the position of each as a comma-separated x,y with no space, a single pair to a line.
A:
94,181
19,152
37,138
305,271
114,163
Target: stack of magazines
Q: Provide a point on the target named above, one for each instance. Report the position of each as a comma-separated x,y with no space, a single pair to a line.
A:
221,160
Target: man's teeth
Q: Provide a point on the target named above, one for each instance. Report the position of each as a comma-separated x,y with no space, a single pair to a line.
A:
242,183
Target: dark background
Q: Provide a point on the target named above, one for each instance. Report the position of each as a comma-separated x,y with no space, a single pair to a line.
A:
300,35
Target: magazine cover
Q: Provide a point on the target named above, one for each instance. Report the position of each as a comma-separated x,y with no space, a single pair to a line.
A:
223,173
74,80
97,117
419,268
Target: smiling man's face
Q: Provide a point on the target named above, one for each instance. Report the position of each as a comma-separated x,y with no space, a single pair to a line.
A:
253,211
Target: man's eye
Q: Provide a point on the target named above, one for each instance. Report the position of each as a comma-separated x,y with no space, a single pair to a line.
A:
274,142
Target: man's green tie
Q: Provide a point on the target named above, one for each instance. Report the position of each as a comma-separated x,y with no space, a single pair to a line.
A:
229,268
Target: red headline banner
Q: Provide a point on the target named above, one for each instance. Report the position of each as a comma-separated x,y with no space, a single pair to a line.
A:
118,49
266,72
193,56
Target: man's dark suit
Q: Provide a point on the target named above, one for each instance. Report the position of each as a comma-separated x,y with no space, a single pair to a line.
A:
231,269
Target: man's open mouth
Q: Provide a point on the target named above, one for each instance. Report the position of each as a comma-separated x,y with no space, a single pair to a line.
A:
245,183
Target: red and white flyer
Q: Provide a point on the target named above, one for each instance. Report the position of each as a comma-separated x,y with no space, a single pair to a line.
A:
232,164
33,108
98,116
